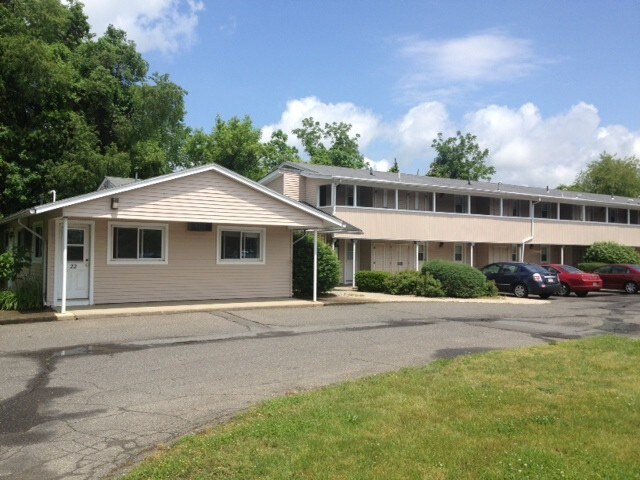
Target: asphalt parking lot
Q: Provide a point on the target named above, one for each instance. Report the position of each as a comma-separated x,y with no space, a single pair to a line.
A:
86,399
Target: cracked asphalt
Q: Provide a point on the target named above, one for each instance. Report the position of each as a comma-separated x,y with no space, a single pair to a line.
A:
88,399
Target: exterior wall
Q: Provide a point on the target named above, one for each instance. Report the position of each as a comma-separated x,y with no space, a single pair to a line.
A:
291,185
192,272
427,226
208,197
310,189
277,185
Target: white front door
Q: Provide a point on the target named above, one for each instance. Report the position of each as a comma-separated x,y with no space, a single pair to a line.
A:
78,263
400,257
499,253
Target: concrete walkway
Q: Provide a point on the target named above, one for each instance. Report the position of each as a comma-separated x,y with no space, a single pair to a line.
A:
340,295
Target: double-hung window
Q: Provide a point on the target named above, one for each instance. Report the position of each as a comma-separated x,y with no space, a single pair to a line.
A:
239,245
137,243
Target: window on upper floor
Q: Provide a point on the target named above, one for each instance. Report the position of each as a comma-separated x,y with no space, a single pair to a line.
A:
460,203
324,195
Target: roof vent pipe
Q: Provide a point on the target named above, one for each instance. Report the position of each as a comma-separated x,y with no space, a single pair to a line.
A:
547,188
53,193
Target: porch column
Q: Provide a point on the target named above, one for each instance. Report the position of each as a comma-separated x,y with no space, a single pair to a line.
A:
355,195
433,196
558,211
606,214
417,248
584,213
63,295
501,207
468,204
353,264
628,216
562,254
333,197
315,265
397,206
471,245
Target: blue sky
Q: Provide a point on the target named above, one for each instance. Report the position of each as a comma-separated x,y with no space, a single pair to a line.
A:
546,86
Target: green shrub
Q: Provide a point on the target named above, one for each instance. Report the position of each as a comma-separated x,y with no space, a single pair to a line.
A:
367,281
590,266
12,262
611,252
328,267
458,280
402,283
8,300
492,289
28,294
429,286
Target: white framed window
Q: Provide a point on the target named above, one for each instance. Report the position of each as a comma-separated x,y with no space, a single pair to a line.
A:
37,244
458,253
138,243
514,253
241,245
544,254
460,203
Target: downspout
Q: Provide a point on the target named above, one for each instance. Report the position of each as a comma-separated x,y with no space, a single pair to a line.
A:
44,259
530,238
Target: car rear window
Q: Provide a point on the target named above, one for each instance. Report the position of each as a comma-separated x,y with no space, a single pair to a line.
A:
537,269
570,269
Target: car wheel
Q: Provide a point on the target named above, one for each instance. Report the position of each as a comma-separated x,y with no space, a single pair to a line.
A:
630,287
544,296
564,289
520,290
582,294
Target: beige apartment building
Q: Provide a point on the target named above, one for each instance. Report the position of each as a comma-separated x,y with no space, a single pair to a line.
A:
403,220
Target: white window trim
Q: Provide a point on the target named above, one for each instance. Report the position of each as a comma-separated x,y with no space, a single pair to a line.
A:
138,261
34,239
241,261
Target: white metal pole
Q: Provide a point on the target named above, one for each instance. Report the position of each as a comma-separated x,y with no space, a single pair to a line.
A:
65,229
353,264
315,265
417,256
562,254
471,254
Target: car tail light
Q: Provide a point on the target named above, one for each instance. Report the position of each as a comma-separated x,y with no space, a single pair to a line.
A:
537,277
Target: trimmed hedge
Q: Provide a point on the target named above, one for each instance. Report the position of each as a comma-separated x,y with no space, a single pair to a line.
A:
367,281
459,280
413,283
611,252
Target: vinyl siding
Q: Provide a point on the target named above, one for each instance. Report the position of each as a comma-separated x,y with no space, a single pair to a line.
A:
207,197
422,226
277,185
192,272
291,185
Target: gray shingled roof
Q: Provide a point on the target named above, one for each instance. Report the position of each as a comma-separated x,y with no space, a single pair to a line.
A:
113,182
395,180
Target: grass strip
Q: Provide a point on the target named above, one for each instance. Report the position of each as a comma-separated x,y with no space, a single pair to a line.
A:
564,411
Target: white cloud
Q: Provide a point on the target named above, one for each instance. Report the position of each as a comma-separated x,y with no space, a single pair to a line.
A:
527,149
443,68
362,121
166,26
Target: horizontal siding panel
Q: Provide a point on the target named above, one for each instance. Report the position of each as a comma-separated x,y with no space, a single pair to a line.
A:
192,272
205,197
427,226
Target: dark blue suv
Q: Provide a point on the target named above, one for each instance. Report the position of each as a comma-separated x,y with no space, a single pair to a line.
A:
522,279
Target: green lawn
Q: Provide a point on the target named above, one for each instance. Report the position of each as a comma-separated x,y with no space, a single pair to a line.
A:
564,411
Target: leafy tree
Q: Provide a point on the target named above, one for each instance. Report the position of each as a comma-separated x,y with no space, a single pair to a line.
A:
328,267
343,150
236,145
460,157
276,151
612,252
75,108
610,175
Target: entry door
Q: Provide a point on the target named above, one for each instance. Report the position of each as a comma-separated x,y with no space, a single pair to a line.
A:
78,263
499,253
400,258
378,257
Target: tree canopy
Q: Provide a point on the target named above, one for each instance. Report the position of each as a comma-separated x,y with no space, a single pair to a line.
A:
343,150
74,108
609,175
460,157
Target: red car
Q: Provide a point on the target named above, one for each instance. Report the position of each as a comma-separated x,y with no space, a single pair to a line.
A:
620,277
573,279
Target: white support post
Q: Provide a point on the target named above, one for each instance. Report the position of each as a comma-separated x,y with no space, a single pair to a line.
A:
417,245
355,195
628,216
606,214
433,197
397,197
315,265
63,295
558,211
353,264
471,245
584,213
562,254
468,204
333,197
501,207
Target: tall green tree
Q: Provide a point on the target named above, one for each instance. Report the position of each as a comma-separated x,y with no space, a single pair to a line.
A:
460,157
609,175
276,152
342,150
75,108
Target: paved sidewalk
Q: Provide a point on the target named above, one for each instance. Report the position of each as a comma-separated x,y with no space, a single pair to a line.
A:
340,295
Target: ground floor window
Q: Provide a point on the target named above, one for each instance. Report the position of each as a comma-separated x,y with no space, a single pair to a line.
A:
240,245
544,254
458,253
140,243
